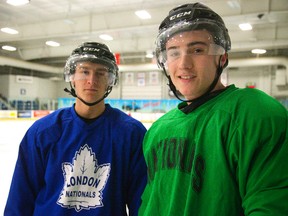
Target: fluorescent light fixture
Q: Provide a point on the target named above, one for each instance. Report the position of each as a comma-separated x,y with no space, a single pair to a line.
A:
17,2
234,4
245,26
52,43
106,37
149,54
9,30
258,51
9,48
69,21
143,14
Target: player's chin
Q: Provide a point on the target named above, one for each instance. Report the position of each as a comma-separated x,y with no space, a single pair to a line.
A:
90,98
190,95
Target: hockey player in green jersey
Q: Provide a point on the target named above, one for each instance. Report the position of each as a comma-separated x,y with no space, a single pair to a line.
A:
224,150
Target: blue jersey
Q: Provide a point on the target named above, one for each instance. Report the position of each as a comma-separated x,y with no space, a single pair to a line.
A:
67,166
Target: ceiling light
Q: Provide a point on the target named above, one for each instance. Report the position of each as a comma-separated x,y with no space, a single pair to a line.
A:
245,26
258,51
9,30
143,14
233,4
106,37
9,48
17,2
149,54
54,78
69,21
52,43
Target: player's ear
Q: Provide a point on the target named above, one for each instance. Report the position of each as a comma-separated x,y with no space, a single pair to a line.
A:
73,83
224,60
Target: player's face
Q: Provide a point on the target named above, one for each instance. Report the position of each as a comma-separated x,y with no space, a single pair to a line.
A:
90,81
192,59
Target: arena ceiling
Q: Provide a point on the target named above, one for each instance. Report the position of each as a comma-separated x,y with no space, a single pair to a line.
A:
71,22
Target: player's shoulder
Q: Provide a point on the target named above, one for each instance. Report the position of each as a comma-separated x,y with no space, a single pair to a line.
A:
253,102
122,119
256,97
56,117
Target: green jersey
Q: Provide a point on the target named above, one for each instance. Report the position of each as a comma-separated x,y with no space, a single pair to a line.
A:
228,157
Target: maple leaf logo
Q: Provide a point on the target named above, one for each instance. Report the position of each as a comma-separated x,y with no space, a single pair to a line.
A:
84,181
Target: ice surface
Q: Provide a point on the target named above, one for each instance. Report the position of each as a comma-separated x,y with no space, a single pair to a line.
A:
11,133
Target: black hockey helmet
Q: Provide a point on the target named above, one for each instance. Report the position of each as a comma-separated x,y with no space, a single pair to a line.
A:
92,52
189,17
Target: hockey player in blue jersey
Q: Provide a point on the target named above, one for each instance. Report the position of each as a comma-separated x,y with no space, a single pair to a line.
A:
86,159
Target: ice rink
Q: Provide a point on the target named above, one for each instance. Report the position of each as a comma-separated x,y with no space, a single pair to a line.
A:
11,133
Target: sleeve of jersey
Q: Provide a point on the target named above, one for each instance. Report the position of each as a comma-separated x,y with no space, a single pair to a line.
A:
138,172
262,160
26,181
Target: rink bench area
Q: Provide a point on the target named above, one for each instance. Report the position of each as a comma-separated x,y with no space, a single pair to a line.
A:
36,114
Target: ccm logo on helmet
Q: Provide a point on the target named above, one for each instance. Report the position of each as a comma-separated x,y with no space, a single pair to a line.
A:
91,49
180,15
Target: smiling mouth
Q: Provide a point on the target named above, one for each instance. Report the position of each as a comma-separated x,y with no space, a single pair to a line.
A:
186,77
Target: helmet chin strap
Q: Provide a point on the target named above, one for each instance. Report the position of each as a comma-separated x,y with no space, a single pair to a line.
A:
211,87
73,93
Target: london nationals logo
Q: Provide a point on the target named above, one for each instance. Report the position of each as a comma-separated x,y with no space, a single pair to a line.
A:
84,181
